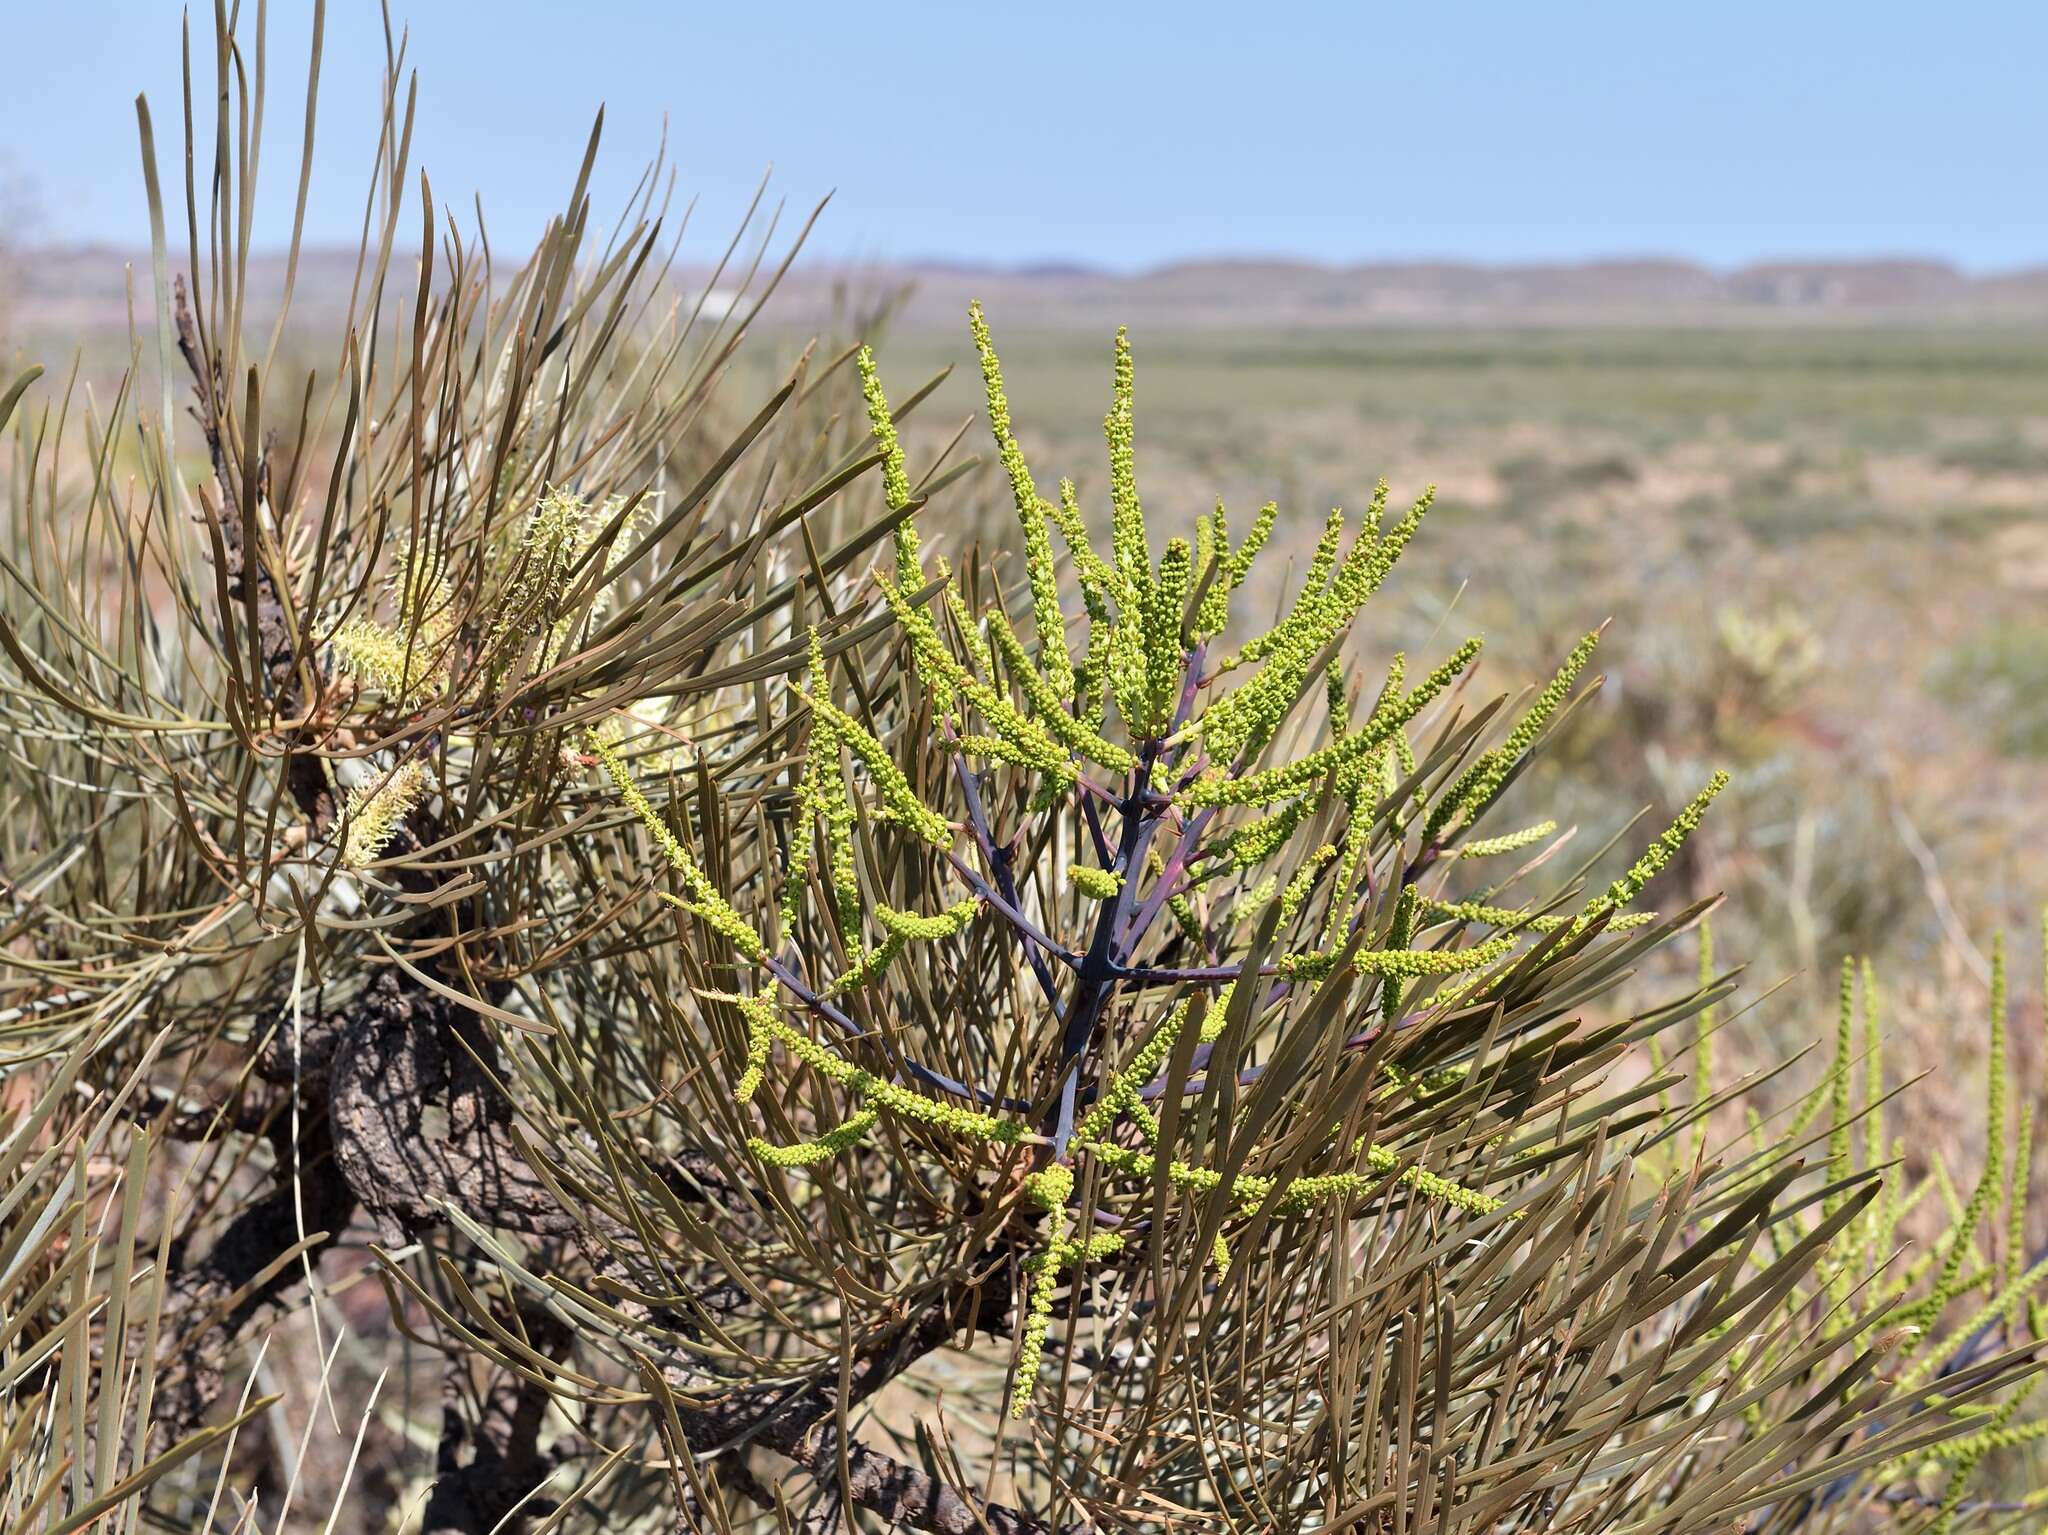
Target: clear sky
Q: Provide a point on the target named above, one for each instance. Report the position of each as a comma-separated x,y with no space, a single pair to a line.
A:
1129,134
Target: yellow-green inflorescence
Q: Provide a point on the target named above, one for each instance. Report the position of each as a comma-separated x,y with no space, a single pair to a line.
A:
376,808
1096,884
1509,842
766,1027
407,663
1051,1187
1248,716
1659,853
407,659
1292,779
701,897
1477,786
895,477
1034,516
822,802
529,581
1971,1277
562,531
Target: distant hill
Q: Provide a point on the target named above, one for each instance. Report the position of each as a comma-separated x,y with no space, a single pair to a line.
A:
1300,294
81,293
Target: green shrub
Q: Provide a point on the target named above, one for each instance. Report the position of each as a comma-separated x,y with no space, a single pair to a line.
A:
1997,678
2007,452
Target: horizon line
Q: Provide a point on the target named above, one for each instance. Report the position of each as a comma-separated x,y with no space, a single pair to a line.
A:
1081,267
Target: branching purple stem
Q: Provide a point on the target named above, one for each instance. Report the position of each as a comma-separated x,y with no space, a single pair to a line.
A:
1024,925
997,857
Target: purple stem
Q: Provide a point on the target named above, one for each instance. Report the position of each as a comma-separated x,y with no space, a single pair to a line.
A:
1098,972
1165,887
1088,814
998,859
1200,975
1024,925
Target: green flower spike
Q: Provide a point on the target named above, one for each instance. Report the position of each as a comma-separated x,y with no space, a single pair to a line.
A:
1402,964
1132,553
1046,706
1249,716
1400,934
1504,916
1950,1282
895,476
1841,1111
406,661
1021,739
1304,881
972,638
1121,1095
1217,787
1050,1189
406,665
1336,697
821,796
1054,661
899,802
1098,584
1097,579
876,1092
703,899
1212,540
1254,541
1477,786
901,929
1511,842
2016,1209
560,531
1659,853
1877,1225
1211,548
761,1017
823,1149
1042,1268
1165,600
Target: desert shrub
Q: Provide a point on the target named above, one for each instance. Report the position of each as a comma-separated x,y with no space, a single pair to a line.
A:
1536,480
813,1027
2007,452
1997,678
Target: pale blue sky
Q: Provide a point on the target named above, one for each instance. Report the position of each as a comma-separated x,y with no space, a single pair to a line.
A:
1136,133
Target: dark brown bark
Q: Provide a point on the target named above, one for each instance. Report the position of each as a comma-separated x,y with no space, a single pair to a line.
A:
906,1496
204,1318
276,652
489,1458
417,1122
